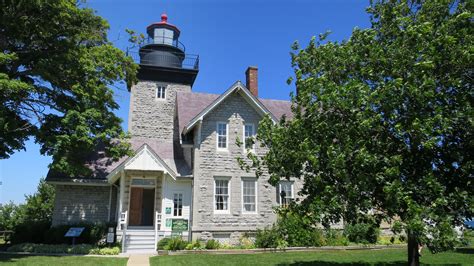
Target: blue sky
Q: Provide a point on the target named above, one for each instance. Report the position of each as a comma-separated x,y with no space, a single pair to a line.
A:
228,35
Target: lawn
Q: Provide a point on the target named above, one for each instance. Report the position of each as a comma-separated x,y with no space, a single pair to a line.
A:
390,257
59,260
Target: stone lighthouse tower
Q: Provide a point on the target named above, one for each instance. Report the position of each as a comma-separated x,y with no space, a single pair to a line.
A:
165,69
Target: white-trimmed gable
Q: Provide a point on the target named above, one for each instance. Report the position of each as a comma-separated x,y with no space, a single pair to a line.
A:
236,87
145,160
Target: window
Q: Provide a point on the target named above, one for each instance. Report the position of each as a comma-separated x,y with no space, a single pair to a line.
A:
249,133
221,195
221,135
249,195
178,204
285,192
161,92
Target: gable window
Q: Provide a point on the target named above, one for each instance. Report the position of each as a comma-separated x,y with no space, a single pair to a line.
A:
249,195
221,195
178,204
249,133
161,92
285,193
221,135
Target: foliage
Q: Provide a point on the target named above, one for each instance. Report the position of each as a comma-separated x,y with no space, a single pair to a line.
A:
39,206
363,231
382,122
335,237
298,230
212,244
32,232
43,42
193,245
92,234
176,243
268,238
11,215
246,243
63,249
163,243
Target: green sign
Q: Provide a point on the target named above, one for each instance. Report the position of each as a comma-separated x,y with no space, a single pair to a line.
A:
179,225
168,210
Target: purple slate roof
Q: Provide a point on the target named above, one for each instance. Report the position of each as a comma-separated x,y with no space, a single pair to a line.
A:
190,104
101,166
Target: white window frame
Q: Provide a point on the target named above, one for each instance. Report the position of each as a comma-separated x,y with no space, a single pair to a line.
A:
224,178
162,93
254,180
226,136
245,138
182,203
292,185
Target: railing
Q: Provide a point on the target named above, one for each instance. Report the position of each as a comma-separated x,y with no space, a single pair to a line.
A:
157,227
186,61
164,40
123,225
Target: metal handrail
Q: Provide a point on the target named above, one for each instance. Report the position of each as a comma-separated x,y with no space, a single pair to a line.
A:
163,40
189,61
157,227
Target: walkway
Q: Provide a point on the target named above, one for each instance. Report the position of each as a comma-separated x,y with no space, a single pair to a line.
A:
139,260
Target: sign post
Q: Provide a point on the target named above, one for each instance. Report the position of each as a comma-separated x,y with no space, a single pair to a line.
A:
74,232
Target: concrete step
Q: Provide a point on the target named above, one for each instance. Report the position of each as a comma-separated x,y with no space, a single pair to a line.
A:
140,242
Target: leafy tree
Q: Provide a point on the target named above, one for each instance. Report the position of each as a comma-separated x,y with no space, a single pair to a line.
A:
11,215
56,66
383,123
40,205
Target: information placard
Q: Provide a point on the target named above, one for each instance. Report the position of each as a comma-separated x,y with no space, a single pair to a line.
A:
74,232
179,225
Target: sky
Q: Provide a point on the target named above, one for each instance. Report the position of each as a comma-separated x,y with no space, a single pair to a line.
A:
227,35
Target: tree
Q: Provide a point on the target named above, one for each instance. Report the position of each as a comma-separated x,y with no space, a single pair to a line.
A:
56,66
11,215
382,123
40,205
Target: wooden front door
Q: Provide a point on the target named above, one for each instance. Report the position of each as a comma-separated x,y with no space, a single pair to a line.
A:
136,202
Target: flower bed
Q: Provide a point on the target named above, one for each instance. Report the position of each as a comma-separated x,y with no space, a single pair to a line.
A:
64,249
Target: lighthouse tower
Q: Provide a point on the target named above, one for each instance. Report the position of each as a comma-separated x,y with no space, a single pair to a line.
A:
165,69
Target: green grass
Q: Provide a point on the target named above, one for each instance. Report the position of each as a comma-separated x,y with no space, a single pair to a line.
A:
6,259
390,257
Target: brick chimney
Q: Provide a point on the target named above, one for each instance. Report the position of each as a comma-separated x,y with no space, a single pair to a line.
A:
252,80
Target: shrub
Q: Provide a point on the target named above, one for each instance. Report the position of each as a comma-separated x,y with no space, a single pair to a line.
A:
298,230
92,234
193,245
62,249
176,243
246,243
335,238
267,238
163,243
31,232
212,244
366,233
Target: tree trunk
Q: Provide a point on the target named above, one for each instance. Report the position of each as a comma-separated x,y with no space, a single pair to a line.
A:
413,255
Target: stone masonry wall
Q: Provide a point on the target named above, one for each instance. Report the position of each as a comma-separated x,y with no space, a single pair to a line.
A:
75,204
151,117
210,162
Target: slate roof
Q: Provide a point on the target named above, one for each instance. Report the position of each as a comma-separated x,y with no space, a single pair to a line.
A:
190,104
101,165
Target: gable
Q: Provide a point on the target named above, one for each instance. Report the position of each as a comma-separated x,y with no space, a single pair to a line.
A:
145,160
237,87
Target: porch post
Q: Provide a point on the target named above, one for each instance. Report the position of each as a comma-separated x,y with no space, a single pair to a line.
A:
122,193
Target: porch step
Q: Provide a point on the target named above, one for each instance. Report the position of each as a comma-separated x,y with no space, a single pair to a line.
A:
140,241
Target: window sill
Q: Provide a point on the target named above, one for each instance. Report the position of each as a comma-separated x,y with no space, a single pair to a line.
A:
221,212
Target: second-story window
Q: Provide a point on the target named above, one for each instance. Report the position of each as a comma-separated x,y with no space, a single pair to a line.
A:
249,133
161,92
221,135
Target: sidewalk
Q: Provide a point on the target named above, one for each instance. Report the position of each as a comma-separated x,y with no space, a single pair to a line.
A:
139,260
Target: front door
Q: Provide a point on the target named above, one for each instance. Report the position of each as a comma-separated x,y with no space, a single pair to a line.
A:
141,206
